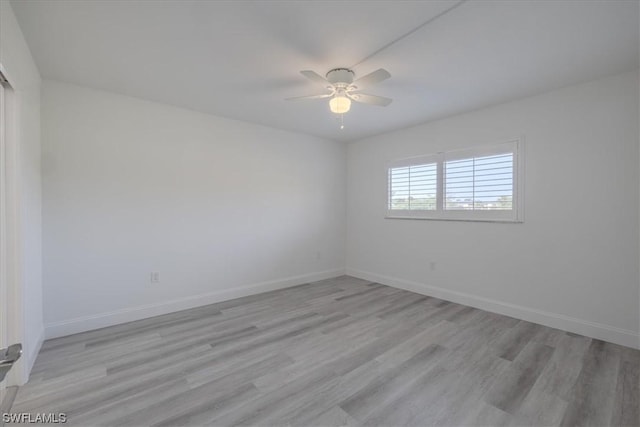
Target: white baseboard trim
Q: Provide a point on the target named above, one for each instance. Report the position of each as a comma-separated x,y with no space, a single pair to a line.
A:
600,331
88,323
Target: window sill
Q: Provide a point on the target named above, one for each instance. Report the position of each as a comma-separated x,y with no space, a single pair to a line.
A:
513,221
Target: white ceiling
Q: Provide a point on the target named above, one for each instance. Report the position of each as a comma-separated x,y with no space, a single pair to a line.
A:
241,59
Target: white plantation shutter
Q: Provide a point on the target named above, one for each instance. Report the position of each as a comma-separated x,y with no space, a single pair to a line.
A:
479,183
413,187
482,183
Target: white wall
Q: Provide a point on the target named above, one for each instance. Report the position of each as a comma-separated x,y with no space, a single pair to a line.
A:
572,264
16,59
220,208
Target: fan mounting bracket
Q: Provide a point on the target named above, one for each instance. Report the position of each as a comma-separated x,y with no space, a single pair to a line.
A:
340,77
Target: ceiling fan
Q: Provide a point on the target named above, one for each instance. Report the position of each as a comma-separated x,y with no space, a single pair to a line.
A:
343,89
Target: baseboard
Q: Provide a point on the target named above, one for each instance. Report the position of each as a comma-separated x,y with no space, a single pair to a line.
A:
600,331
88,323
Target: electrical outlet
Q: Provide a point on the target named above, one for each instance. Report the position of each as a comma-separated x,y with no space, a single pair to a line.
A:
155,277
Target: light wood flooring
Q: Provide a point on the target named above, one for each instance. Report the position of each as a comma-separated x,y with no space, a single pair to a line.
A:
337,352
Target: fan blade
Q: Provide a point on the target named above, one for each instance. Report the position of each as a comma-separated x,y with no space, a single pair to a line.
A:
372,78
295,98
363,98
315,77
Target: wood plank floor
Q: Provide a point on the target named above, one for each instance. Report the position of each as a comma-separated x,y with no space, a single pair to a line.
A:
337,352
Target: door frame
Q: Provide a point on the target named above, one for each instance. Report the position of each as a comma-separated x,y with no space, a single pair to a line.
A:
11,303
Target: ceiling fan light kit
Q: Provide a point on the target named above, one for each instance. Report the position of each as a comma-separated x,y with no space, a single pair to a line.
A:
343,89
339,104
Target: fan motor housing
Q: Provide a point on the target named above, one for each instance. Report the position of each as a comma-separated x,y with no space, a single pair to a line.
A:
340,76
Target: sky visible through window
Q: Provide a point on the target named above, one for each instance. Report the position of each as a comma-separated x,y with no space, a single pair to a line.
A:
477,183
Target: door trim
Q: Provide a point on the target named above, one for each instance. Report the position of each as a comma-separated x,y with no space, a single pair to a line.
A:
12,323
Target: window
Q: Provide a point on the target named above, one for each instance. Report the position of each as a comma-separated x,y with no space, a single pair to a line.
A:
481,184
414,187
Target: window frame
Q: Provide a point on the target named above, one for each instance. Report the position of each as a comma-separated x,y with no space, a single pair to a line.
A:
515,146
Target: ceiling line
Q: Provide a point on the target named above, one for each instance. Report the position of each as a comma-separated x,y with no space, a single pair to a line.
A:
430,20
